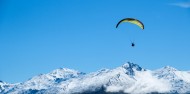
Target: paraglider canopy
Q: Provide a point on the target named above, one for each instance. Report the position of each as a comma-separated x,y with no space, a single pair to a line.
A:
133,21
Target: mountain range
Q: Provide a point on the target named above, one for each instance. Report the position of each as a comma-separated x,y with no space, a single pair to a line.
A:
128,78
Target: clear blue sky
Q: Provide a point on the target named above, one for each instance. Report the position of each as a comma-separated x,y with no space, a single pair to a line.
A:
38,36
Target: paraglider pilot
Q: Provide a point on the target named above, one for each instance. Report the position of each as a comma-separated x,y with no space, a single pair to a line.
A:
133,44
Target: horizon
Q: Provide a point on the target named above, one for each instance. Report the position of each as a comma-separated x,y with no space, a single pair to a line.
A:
40,36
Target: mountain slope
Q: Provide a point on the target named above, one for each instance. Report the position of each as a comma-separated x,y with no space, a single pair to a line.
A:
129,78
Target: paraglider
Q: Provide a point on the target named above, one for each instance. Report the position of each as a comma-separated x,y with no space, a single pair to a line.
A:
133,21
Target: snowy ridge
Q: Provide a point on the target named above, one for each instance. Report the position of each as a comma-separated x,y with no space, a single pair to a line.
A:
129,78
4,87
179,80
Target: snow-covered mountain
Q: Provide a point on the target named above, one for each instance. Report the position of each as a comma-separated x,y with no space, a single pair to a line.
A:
129,78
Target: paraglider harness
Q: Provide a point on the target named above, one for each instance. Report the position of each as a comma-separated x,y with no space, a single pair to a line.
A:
132,44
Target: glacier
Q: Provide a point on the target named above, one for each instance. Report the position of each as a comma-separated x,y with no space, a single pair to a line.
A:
128,78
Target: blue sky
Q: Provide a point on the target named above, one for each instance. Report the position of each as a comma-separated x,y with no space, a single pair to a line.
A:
38,36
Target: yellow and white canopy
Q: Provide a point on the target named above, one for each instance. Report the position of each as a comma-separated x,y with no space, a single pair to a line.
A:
133,21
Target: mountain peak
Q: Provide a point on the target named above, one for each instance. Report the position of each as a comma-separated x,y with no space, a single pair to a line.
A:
130,68
61,72
169,68
64,70
130,65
